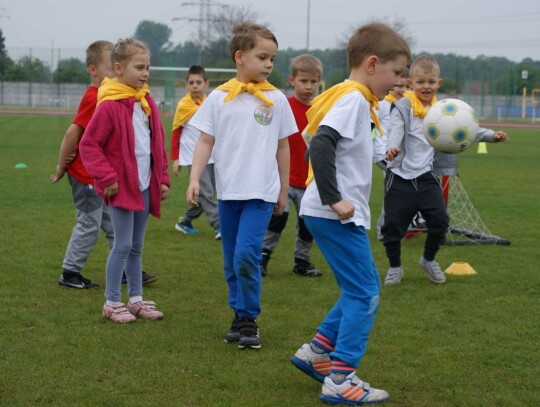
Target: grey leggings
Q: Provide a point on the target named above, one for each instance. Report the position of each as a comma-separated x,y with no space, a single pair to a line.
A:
126,253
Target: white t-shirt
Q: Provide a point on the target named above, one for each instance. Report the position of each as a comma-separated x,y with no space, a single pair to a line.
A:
418,158
188,141
141,127
246,134
350,117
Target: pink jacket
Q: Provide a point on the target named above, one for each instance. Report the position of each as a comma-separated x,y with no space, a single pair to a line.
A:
107,149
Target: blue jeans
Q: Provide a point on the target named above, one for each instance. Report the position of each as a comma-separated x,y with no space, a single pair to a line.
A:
349,322
242,225
126,253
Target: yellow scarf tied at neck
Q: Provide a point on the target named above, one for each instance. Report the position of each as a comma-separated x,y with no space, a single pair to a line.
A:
234,87
417,105
390,98
186,108
322,104
111,89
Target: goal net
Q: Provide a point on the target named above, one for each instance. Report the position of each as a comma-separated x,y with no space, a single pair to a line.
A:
466,226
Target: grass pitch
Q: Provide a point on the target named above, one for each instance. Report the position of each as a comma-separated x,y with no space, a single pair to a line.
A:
470,342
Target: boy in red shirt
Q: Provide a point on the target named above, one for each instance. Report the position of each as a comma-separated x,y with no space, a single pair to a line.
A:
306,73
91,213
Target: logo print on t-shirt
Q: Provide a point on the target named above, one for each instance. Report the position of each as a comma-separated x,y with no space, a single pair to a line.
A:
263,115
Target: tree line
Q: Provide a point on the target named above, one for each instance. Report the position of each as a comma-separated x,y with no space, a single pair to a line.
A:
461,74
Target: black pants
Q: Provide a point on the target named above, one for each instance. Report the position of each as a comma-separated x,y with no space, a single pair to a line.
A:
402,199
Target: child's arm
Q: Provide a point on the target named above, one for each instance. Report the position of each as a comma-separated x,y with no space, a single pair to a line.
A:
491,136
284,163
175,149
67,148
396,130
203,149
322,153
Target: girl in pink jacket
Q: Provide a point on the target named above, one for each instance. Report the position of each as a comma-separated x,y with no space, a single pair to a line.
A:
123,150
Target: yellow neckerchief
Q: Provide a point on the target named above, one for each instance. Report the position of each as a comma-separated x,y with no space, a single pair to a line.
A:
235,87
186,108
390,98
111,89
417,105
324,102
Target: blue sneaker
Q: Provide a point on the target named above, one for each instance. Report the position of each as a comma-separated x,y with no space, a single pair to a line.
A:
352,391
186,227
316,365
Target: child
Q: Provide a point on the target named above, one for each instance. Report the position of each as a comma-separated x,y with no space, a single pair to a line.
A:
335,209
410,185
123,150
306,73
91,212
183,140
246,122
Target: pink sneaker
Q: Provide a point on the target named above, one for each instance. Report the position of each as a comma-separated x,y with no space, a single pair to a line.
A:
145,310
118,313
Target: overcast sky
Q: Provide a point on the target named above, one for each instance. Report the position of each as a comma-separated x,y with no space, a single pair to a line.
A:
510,28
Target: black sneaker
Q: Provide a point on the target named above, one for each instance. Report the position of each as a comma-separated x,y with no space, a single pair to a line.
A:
305,268
234,331
146,278
264,261
249,334
76,280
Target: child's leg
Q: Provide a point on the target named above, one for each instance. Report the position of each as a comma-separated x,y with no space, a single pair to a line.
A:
107,226
304,239
123,222
400,205
134,258
433,209
89,207
229,216
207,192
350,321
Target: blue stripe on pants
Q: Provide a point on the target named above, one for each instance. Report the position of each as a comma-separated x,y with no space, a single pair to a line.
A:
347,251
242,225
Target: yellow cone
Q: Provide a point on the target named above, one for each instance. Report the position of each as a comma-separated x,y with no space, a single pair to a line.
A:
482,148
460,268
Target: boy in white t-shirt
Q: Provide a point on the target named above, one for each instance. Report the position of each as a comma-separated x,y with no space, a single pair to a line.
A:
335,209
245,124
184,137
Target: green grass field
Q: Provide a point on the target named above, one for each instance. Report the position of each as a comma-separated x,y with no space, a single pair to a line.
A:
471,342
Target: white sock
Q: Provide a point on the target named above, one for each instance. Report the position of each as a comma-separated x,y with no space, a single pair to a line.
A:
113,303
137,298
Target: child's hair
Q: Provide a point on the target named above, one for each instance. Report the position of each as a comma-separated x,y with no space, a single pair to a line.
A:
245,35
125,48
95,51
197,70
425,62
376,39
306,63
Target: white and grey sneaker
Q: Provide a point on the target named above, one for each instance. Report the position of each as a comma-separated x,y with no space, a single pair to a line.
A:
394,276
433,270
352,391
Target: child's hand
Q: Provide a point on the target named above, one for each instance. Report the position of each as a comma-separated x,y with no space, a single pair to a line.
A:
500,137
71,157
164,192
192,194
60,172
175,167
281,204
111,190
344,209
392,153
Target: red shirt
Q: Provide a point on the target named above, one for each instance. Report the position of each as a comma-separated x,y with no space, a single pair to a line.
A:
297,145
84,114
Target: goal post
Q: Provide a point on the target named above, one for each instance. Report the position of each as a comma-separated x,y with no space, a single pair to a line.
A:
466,227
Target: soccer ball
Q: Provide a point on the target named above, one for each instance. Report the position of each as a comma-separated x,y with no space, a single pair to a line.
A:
450,126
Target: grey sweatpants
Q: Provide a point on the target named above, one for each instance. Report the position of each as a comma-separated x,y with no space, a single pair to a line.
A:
92,214
207,200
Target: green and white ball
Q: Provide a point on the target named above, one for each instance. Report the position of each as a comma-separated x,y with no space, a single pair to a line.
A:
450,126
